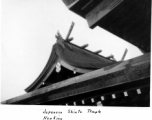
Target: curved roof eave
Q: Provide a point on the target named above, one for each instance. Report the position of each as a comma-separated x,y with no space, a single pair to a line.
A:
47,70
55,57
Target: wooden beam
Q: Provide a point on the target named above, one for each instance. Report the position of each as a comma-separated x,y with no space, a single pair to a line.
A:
70,30
110,56
70,39
142,62
83,102
92,100
70,3
125,93
88,3
84,46
124,55
102,98
97,52
59,35
99,103
74,103
138,91
102,9
113,96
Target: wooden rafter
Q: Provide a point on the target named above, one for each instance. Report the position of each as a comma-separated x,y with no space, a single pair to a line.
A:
70,30
124,55
97,52
84,46
70,39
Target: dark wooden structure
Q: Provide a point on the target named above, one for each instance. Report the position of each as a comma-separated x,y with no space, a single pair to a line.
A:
76,76
128,19
124,83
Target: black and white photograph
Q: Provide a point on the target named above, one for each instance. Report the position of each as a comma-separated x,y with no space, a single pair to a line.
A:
86,55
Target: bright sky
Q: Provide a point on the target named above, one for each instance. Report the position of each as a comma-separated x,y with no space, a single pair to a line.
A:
28,33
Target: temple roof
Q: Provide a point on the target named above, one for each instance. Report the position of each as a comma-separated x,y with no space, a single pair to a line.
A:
72,57
128,19
114,79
